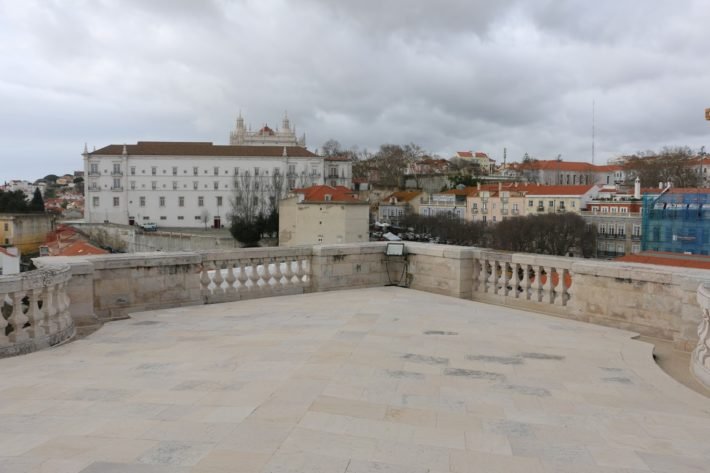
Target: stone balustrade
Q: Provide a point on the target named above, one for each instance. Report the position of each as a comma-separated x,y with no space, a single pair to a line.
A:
34,310
256,272
700,359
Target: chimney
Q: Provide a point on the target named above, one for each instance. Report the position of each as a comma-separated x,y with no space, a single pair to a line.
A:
637,188
478,185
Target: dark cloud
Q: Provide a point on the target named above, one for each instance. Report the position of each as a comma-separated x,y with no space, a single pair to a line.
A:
447,75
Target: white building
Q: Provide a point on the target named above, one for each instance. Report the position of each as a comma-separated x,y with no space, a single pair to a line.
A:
191,184
9,260
284,136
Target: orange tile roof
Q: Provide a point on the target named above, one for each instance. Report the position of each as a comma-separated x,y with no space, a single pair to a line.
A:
80,248
402,196
197,148
464,154
668,259
336,193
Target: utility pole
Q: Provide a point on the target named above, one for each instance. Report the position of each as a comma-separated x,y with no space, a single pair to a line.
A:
593,126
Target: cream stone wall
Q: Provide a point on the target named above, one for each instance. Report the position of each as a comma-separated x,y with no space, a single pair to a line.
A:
322,223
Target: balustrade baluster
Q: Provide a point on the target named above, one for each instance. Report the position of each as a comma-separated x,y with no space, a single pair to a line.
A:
4,340
205,280
276,273
526,281
300,272
538,287
288,272
49,310
549,295
504,277
217,279
34,314
18,319
230,279
567,290
494,277
242,277
515,279
266,273
254,274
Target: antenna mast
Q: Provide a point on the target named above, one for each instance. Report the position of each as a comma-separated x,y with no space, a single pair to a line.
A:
593,123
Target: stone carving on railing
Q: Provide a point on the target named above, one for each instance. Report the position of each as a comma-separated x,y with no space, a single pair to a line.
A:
237,275
497,274
701,355
34,309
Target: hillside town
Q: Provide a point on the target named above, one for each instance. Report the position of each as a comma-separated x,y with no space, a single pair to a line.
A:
257,188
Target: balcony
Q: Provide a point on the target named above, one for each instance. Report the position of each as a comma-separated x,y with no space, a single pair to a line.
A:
117,188
94,174
385,377
540,208
116,173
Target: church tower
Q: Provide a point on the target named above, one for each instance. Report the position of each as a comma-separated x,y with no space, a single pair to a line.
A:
284,136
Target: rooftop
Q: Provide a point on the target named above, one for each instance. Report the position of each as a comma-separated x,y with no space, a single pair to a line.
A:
380,379
196,148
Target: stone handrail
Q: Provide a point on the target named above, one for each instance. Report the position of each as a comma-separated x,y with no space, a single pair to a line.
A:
538,279
232,275
700,359
34,310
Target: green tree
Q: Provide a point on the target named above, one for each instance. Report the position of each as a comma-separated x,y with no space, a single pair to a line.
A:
37,203
13,201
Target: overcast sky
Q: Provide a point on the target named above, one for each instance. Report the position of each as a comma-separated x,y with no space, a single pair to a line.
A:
447,75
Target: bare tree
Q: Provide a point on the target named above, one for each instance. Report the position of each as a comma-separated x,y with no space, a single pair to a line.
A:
205,217
669,165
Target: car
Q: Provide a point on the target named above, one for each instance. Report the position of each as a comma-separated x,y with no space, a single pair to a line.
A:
150,227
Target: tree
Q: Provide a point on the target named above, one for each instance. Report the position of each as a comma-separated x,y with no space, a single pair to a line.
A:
331,148
549,234
51,178
79,185
246,221
391,162
205,217
37,203
13,201
671,164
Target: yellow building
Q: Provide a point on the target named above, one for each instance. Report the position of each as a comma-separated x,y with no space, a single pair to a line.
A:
557,199
323,215
493,203
25,231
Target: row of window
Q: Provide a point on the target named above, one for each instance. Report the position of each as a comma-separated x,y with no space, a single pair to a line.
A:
118,185
618,229
94,170
96,201
612,209
551,204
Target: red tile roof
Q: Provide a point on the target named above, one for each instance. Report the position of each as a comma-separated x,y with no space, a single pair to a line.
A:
79,248
464,154
556,190
402,196
337,194
196,148
668,259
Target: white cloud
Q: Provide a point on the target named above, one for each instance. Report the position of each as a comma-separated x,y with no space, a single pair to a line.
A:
446,75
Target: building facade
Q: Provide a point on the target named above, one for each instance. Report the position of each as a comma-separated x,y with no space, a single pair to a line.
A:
451,203
192,184
677,220
27,232
323,215
393,208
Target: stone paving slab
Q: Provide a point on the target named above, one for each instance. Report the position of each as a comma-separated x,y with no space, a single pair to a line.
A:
374,380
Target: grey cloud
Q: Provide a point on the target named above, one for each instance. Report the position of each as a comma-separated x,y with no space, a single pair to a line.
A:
446,75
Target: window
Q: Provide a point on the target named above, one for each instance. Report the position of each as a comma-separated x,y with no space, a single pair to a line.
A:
621,229
515,207
175,185
117,183
154,184
636,230
116,168
292,183
161,201
141,201
133,185
181,202
333,171
236,171
291,169
277,172
602,228
195,171
219,201
256,185
200,201
551,204
216,171
154,170
174,170
94,168
197,217
146,218
216,185
180,217
623,210
256,171
194,185
115,201
163,217
95,201
530,203
573,204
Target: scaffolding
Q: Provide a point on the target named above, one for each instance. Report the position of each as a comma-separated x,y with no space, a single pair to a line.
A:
676,222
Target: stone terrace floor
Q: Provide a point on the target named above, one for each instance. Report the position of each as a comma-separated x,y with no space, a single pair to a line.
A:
387,380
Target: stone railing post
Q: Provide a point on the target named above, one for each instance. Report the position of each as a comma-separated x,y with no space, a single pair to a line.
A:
700,359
